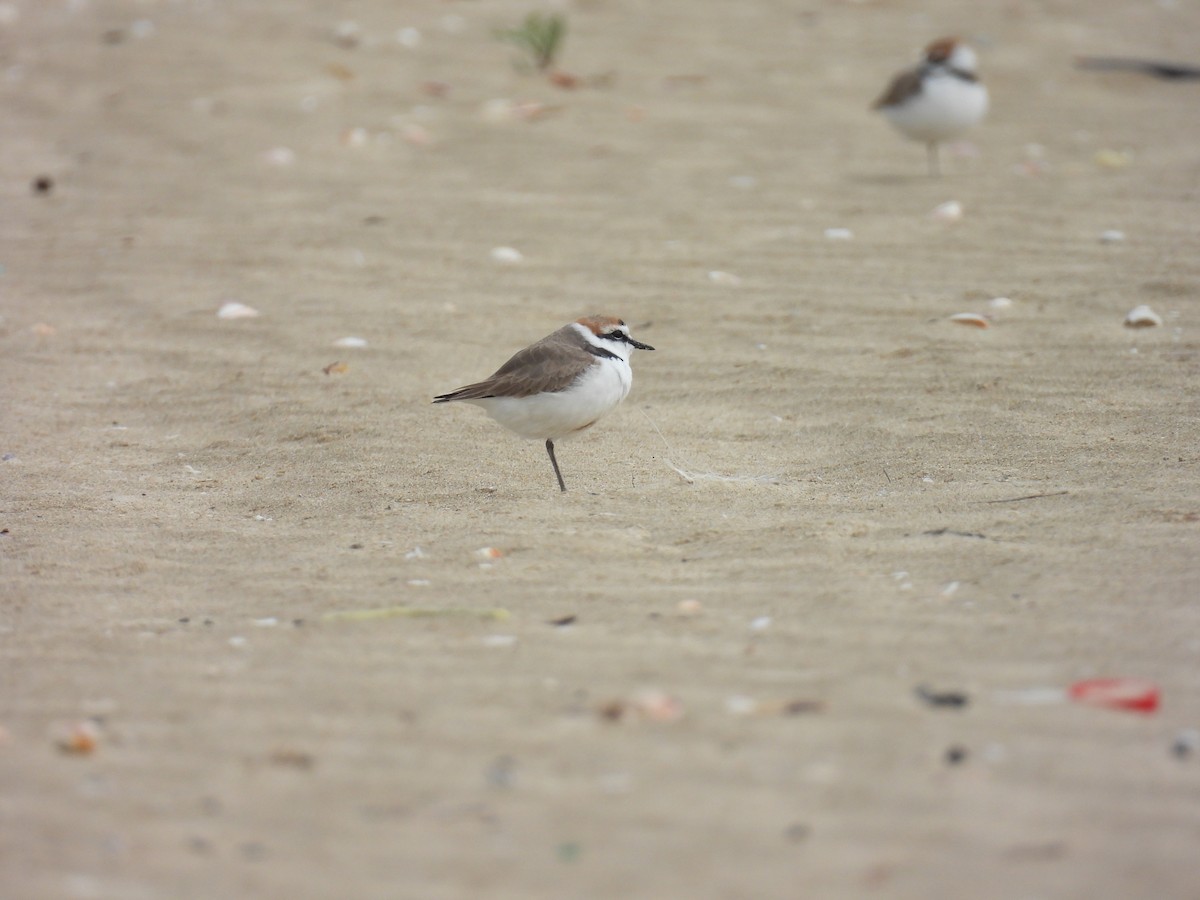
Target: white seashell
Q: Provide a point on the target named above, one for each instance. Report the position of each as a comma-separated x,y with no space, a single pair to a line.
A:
839,234
1112,236
280,156
415,553
499,640
350,342
950,211
507,255
727,278
1000,303
1142,317
489,553
975,320
234,310
268,622
762,623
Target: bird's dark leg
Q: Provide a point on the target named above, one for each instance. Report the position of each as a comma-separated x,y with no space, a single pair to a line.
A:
554,462
935,168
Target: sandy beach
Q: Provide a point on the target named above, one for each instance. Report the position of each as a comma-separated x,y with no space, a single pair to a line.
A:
273,625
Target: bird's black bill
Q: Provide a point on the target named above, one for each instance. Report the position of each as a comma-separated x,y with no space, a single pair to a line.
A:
638,344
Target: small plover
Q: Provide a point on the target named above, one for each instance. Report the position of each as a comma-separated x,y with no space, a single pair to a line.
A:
938,99
560,386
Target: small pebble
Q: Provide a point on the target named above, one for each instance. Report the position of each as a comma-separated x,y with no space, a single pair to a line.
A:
350,342
43,185
500,640
1000,303
1142,317
955,755
1112,236
268,622
947,699
237,641
689,607
839,234
1186,743
762,623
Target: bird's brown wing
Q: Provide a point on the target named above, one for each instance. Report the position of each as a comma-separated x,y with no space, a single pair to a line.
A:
549,366
905,85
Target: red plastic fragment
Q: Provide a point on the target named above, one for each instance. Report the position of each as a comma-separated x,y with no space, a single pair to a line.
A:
1134,694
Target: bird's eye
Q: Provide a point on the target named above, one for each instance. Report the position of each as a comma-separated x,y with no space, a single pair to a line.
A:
618,335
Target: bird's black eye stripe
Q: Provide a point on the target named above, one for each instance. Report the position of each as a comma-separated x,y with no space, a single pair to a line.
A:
617,336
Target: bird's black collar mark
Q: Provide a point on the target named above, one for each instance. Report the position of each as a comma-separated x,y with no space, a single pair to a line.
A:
601,352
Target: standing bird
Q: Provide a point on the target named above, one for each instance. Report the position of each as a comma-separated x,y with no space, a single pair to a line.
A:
561,385
937,100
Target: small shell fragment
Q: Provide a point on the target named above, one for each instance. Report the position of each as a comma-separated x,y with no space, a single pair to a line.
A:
1112,236
489,553
1000,303
975,320
838,234
726,278
950,211
689,607
234,310
508,255
658,706
1142,317
81,739
355,342
355,137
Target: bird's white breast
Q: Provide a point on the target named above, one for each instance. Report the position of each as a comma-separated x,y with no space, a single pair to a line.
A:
945,108
562,414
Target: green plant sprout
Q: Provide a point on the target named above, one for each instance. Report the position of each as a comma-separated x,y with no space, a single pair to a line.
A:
540,37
